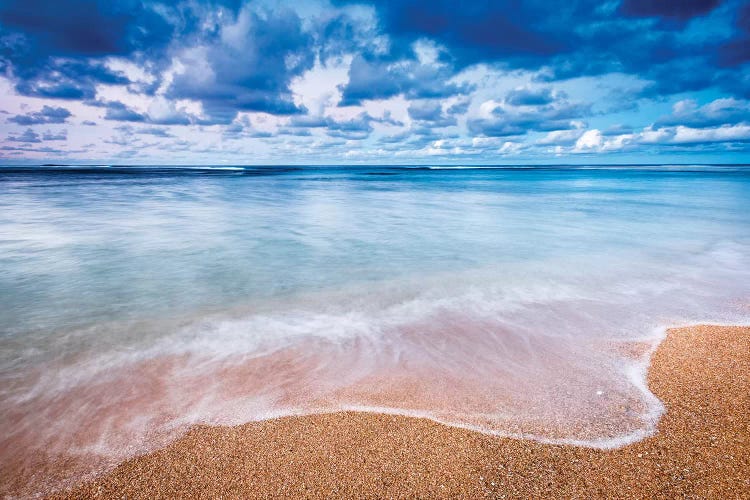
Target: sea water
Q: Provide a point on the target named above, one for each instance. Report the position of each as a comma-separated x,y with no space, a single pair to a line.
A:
520,301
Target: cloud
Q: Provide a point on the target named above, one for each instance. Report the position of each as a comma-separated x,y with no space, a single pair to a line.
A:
48,114
309,121
725,111
682,9
477,31
431,112
396,138
413,77
562,137
583,37
118,111
27,136
377,78
530,97
505,119
295,132
591,139
248,66
56,44
129,130
154,131
55,136
736,50
356,128
689,135
594,141
21,149
31,137
243,128
86,27
165,113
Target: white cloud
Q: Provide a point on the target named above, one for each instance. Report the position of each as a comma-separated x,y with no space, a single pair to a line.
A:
725,133
590,140
561,137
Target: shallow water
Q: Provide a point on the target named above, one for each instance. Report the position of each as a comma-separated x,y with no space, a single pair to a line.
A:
522,301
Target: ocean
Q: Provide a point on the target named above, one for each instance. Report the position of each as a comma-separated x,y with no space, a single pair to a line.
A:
521,301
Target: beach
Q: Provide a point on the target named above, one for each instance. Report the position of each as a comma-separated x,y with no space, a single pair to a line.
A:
701,448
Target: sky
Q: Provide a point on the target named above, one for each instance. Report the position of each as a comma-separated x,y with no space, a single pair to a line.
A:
375,82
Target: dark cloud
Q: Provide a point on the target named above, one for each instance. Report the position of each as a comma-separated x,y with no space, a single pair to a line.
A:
55,50
416,137
716,113
129,130
459,107
232,57
45,149
388,119
308,121
372,78
477,31
425,110
243,129
736,51
341,35
676,9
154,131
175,116
678,76
249,68
396,138
118,111
55,136
358,127
294,132
431,112
48,114
85,27
508,121
529,97
175,146
27,136
579,38
245,58
618,129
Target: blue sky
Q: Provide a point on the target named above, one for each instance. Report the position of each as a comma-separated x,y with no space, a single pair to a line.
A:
394,82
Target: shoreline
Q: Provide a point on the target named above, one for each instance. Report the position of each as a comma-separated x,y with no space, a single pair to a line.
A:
701,447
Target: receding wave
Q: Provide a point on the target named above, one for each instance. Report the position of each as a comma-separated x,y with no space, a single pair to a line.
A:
561,361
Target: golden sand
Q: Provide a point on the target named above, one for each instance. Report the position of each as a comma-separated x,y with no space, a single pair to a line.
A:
701,449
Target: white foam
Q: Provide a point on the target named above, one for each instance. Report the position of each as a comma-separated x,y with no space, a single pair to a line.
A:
466,328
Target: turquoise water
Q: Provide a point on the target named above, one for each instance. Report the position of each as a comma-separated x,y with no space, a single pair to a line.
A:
509,299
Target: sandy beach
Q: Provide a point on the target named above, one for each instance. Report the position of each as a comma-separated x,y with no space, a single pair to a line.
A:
701,449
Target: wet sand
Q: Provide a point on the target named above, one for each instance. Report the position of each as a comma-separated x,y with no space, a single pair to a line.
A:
701,449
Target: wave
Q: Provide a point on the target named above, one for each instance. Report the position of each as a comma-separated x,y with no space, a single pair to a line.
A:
560,359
